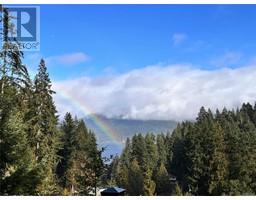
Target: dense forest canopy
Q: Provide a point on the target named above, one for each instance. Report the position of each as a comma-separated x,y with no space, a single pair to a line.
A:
214,155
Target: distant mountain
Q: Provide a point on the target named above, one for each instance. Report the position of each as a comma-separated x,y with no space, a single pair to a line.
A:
112,132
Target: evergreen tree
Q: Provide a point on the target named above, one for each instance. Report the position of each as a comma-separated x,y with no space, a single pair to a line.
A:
79,175
162,149
111,174
215,155
122,178
163,185
46,136
123,166
18,171
135,179
68,128
138,149
218,162
95,162
150,153
11,68
148,184
82,164
177,190
180,145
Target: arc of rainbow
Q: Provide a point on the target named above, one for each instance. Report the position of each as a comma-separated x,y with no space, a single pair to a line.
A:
109,131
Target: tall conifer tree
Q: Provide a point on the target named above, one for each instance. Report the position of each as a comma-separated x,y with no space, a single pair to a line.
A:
46,141
18,171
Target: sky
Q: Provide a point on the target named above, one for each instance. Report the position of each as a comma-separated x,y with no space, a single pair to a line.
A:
148,61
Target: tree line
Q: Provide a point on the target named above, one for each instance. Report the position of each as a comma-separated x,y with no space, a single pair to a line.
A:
39,155
214,155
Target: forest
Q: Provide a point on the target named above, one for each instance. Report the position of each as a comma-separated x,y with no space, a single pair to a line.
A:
215,155
43,155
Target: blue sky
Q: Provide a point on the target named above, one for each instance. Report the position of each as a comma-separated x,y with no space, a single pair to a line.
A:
110,39
148,61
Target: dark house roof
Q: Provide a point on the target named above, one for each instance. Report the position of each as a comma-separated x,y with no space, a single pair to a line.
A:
112,191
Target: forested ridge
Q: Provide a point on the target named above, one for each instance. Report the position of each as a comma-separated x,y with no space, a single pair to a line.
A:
41,155
215,155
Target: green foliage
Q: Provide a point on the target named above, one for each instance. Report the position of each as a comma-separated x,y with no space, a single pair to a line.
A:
31,142
68,128
148,184
46,134
137,166
218,152
81,165
215,155
150,153
177,191
17,168
162,149
12,71
135,179
162,179
120,172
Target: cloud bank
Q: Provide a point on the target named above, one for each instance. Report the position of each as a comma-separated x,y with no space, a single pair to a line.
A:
158,92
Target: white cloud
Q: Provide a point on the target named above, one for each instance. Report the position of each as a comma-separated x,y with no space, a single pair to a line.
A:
159,92
68,59
178,38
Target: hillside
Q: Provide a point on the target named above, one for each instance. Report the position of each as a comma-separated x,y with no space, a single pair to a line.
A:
122,129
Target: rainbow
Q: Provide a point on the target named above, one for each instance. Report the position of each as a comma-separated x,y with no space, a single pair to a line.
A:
80,104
